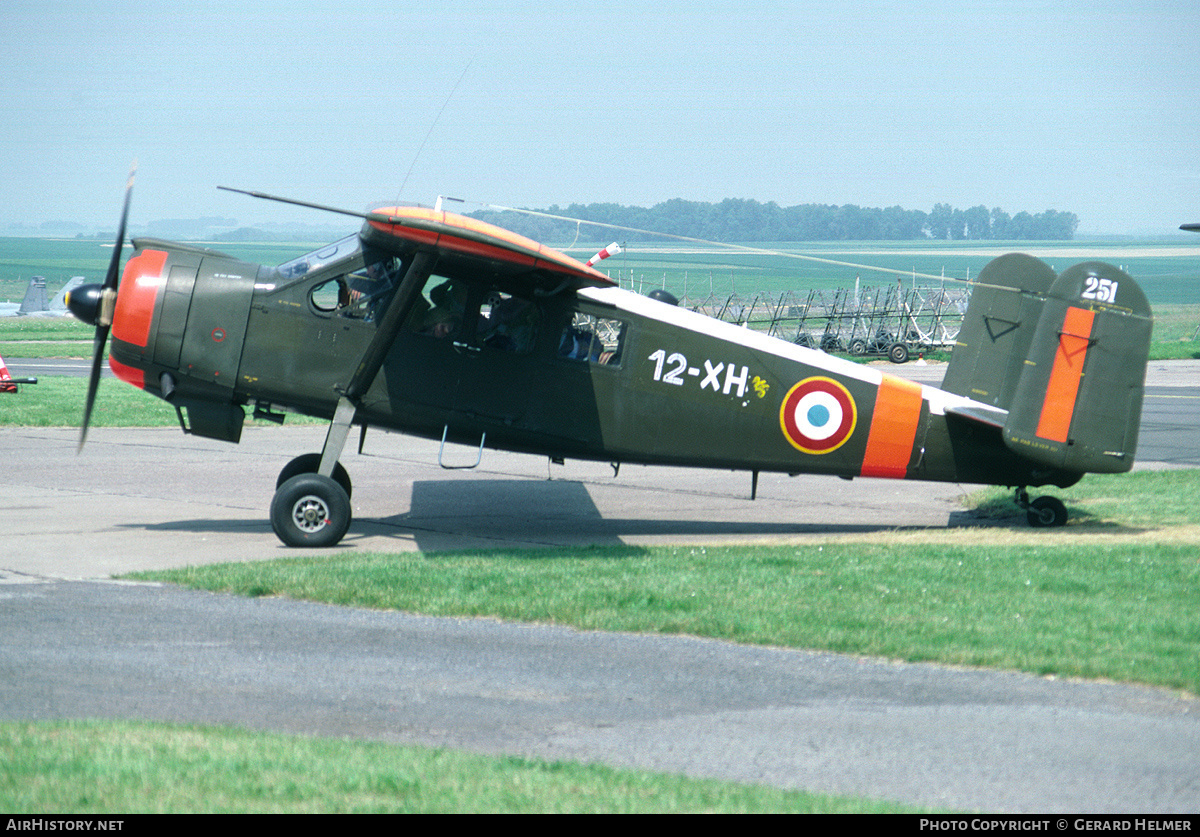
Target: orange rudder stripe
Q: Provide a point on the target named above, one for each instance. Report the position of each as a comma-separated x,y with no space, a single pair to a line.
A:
1059,406
893,428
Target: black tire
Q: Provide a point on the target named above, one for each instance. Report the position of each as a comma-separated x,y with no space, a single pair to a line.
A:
1046,512
898,353
830,343
804,339
858,347
308,463
310,510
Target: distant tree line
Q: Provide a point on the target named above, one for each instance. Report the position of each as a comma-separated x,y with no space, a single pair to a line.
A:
748,220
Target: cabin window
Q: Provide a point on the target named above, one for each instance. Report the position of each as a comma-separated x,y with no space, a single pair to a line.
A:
441,309
481,315
507,322
598,340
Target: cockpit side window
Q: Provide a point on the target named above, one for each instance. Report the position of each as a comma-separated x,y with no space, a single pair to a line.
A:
357,291
369,289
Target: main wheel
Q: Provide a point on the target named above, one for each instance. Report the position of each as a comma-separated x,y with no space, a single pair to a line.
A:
308,463
1047,511
310,510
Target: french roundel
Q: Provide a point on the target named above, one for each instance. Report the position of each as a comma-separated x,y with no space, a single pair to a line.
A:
818,415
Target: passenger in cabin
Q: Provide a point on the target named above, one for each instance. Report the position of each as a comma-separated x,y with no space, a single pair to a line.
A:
581,340
579,344
449,305
439,322
510,323
450,295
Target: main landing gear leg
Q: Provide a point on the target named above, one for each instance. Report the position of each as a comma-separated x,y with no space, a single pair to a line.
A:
311,506
1045,511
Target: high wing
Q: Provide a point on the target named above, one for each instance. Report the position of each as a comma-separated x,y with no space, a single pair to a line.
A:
457,239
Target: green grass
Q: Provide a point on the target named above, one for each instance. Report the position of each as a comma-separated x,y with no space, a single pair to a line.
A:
104,767
45,337
58,402
1073,602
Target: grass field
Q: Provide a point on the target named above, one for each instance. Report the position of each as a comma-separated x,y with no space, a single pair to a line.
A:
1167,271
125,767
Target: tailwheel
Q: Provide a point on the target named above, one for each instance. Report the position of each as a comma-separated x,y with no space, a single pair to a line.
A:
1045,511
310,510
310,463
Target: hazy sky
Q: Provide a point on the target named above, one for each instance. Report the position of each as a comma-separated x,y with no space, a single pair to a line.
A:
1022,104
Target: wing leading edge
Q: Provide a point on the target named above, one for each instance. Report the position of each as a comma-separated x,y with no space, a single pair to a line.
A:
458,237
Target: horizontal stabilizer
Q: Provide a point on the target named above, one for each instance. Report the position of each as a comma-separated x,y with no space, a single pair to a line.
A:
980,413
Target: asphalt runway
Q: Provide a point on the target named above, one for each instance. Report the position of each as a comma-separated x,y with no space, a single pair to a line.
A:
75,645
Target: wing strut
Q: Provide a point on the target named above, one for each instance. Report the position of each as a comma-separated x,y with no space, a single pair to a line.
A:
389,325
372,360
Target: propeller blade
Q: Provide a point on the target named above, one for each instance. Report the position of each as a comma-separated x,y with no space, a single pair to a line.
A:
102,326
114,265
93,382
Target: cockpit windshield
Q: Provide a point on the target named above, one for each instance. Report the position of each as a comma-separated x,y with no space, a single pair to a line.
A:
317,259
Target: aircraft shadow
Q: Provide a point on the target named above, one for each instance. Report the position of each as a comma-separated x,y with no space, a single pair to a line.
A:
472,513
481,514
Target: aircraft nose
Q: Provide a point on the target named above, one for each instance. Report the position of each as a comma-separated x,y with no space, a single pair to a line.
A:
84,302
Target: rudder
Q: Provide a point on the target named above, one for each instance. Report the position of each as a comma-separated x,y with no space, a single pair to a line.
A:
1077,404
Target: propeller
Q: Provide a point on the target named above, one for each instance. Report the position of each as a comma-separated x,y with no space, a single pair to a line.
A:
95,304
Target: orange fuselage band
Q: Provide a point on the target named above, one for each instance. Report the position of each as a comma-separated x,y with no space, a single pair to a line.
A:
893,428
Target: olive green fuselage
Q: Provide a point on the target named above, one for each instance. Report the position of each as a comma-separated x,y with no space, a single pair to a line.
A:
590,373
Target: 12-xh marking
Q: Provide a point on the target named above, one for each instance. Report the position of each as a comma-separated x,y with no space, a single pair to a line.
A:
670,369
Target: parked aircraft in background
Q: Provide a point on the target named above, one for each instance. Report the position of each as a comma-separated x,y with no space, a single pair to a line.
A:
35,305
